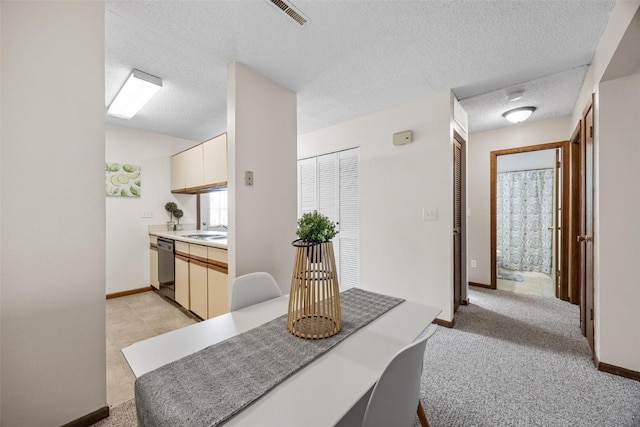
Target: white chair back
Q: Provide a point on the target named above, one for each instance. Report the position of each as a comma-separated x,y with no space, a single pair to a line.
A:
253,288
395,396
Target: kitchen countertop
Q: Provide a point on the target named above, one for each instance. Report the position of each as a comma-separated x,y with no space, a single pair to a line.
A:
180,235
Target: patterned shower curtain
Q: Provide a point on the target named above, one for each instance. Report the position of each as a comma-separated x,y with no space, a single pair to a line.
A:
524,213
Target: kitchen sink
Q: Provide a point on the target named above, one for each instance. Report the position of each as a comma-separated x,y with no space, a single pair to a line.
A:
207,236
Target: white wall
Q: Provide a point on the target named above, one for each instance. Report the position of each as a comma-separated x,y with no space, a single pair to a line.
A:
127,230
543,159
0,216
481,144
400,254
53,212
618,22
617,224
261,137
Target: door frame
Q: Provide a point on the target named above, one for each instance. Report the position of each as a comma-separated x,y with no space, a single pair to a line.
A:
575,197
564,225
586,274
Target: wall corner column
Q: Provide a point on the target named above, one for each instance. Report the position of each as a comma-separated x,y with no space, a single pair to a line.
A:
262,139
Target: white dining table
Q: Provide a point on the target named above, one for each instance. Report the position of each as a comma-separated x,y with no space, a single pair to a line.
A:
322,392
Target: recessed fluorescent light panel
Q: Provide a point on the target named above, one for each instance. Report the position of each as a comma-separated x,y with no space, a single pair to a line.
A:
518,115
136,92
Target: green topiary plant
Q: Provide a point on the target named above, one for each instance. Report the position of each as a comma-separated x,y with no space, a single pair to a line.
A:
314,228
178,214
171,207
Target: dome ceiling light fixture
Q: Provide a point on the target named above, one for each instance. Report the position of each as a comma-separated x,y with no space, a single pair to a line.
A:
518,115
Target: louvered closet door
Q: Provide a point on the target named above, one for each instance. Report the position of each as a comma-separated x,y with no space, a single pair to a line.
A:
457,224
328,195
307,186
329,184
349,217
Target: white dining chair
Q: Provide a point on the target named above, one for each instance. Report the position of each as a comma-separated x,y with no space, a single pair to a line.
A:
253,288
393,399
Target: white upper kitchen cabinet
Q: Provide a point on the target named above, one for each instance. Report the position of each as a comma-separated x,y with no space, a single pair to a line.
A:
187,169
178,172
194,166
200,167
215,161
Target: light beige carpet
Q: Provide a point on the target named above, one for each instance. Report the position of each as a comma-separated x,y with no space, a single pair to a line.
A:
122,415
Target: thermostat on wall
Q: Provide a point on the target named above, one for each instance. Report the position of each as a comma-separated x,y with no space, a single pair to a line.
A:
401,138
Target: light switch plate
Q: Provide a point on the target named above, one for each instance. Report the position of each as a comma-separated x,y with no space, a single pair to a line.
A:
429,214
248,177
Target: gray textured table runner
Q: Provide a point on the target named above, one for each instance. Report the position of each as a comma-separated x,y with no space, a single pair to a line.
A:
211,385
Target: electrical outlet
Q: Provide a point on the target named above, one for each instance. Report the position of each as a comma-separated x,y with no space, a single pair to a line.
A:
147,214
429,214
474,264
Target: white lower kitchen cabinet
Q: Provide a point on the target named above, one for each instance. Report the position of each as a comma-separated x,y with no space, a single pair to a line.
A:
198,291
182,281
217,291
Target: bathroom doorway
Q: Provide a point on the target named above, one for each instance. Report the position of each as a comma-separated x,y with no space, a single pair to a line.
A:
527,201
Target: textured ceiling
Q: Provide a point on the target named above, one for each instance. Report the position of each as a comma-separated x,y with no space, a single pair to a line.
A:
353,57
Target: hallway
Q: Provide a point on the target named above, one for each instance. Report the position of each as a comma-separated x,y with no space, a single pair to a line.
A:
520,360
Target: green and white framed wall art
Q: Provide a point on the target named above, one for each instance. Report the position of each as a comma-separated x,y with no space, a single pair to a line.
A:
122,179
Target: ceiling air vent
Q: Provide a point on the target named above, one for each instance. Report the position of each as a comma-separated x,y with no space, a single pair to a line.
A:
288,9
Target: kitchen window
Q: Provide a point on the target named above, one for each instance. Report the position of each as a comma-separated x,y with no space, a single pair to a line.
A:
214,209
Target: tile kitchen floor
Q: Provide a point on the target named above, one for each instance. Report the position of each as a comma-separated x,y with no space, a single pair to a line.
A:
131,319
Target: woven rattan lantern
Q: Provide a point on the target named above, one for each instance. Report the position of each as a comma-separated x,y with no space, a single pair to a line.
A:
314,301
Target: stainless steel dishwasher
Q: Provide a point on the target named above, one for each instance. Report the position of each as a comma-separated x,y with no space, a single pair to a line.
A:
166,268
